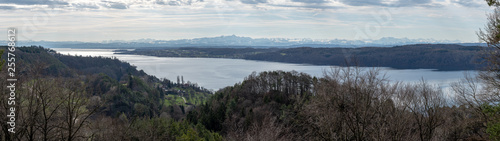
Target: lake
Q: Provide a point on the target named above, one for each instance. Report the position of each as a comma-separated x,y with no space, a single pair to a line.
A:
216,73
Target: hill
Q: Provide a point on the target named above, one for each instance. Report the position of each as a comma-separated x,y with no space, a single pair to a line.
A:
71,97
420,56
345,104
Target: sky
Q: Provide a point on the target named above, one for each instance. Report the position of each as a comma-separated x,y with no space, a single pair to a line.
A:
99,20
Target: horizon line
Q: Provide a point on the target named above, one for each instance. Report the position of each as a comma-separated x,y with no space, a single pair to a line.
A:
233,35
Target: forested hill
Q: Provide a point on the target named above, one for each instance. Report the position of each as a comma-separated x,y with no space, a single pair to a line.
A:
113,100
345,104
421,56
107,76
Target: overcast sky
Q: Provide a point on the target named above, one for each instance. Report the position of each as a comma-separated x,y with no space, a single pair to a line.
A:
98,20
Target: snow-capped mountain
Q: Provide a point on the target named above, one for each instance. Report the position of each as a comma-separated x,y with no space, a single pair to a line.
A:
235,41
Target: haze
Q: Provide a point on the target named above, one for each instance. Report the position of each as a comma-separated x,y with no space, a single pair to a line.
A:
98,20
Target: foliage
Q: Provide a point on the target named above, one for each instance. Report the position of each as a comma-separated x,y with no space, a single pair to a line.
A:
493,112
493,2
168,129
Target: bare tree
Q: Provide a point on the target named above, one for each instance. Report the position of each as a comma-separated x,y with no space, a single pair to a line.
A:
468,92
30,104
355,104
74,110
491,35
425,104
48,102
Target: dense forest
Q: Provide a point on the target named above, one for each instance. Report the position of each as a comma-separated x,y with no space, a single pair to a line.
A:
421,56
63,97
345,104
94,98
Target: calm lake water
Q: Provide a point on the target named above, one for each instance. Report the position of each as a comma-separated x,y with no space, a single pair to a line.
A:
215,73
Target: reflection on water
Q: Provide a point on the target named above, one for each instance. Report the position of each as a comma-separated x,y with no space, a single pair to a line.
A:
215,73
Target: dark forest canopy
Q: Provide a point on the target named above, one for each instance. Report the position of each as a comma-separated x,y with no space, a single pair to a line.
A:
421,56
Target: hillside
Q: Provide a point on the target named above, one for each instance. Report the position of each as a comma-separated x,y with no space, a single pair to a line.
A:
103,90
345,104
422,56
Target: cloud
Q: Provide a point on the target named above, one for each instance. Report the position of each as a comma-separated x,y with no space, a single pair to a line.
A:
313,6
306,4
253,1
312,1
300,4
7,7
410,3
470,3
362,2
34,2
85,5
177,2
114,5
387,3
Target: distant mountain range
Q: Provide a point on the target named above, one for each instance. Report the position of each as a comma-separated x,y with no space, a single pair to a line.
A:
238,41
